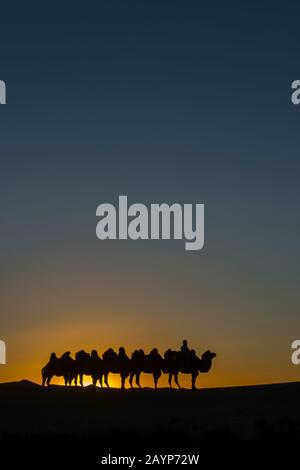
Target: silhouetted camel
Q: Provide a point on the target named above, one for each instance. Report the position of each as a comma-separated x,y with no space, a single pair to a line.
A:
63,366
116,364
89,364
150,364
175,362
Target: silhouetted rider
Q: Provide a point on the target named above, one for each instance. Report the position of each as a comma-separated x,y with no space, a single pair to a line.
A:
184,353
184,348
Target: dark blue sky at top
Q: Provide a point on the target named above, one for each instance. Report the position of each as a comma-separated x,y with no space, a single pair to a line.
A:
162,101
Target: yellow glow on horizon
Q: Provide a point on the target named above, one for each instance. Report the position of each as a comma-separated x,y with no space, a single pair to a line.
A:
29,351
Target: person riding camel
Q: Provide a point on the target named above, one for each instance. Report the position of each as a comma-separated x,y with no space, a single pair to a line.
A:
184,348
185,353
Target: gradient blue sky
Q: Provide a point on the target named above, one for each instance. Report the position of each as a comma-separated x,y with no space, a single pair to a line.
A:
165,102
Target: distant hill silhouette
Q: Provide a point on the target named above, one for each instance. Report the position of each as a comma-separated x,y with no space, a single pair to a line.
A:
21,385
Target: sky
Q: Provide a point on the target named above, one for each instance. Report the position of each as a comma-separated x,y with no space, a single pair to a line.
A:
163,101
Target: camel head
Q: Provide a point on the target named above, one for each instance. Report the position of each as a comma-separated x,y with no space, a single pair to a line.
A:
205,362
66,354
209,355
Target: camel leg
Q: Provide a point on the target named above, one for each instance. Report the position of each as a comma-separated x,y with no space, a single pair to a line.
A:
194,376
49,380
123,382
66,381
170,379
106,379
43,380
101,380
176,380
137,379
156,376
131,379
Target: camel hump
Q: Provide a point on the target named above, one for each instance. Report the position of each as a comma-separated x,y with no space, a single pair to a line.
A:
155,354
137,354
109,355
53,357
169,354
122,352
82,357
94,354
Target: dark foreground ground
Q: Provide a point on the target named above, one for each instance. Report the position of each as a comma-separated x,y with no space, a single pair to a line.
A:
85,425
